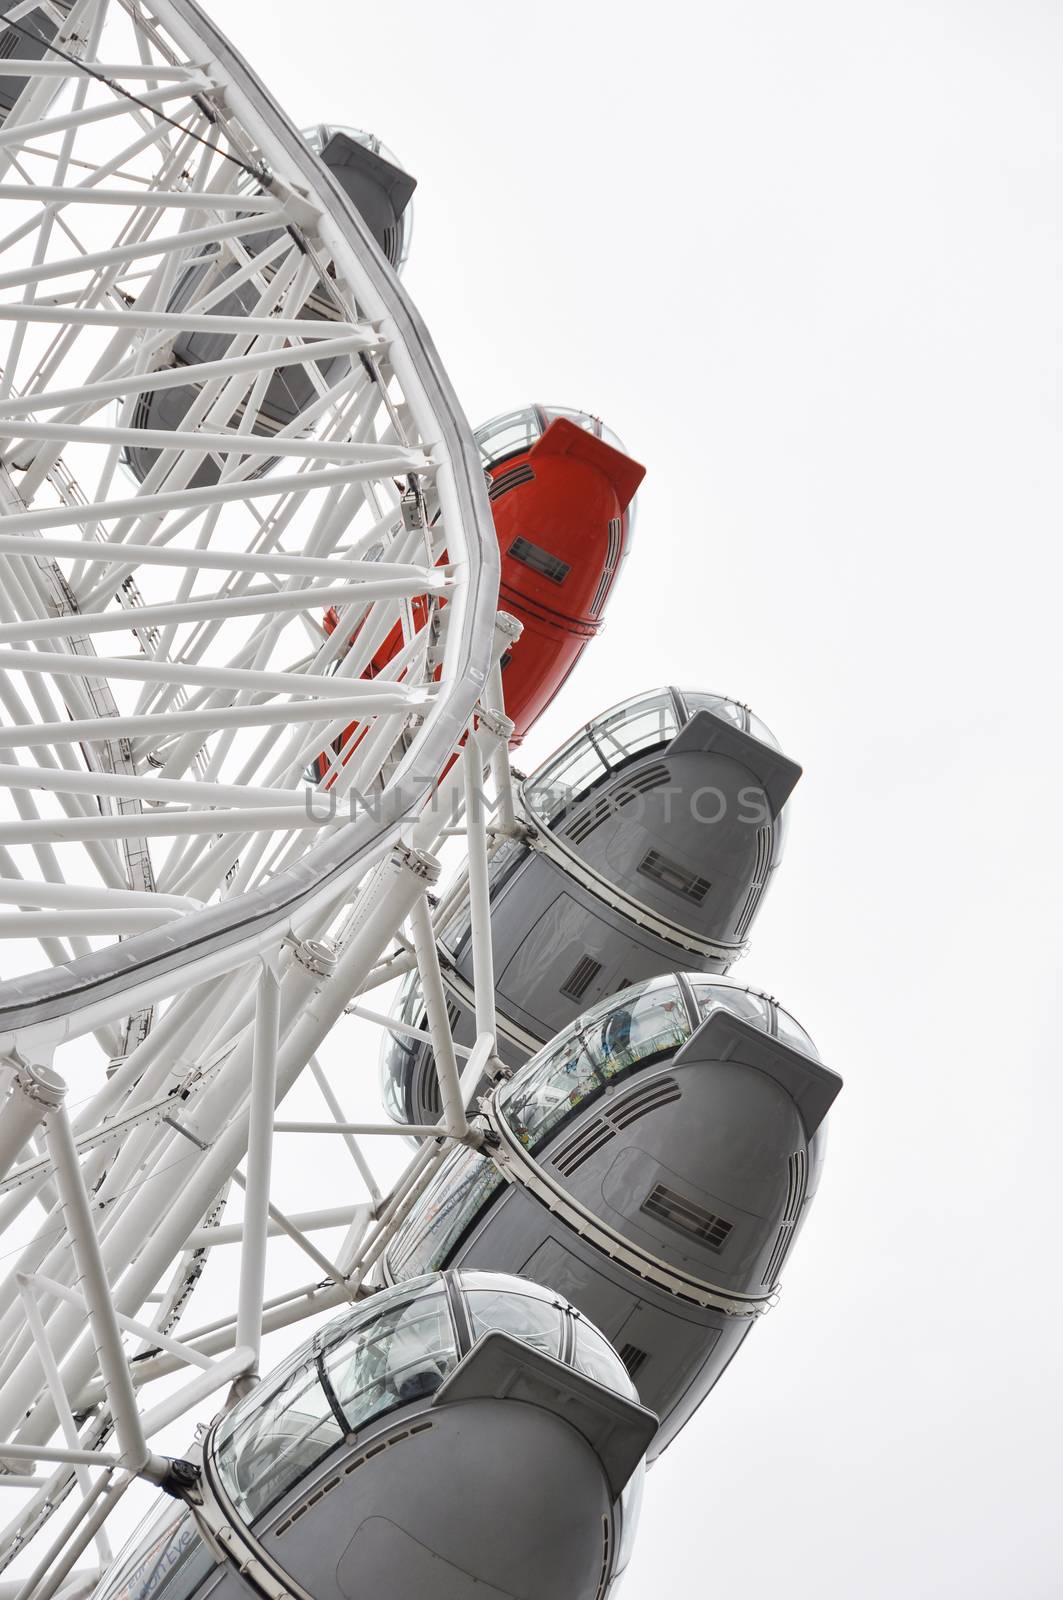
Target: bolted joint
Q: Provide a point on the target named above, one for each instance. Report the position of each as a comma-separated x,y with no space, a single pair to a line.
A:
404,858
318,956
496,723
508,627
37,1082
181,1478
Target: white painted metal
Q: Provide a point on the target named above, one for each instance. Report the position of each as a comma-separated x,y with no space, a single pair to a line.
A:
202,866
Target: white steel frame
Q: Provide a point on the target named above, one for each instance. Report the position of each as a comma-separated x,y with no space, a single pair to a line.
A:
165,680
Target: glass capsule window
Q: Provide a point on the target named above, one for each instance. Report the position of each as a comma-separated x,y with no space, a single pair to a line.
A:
595,1357
515,432
448,1208
731,711
402,1355
760,1009
393,1351
398,1049
534,1320
712,997
646,1023
600,750
512,434
790,1031
589,424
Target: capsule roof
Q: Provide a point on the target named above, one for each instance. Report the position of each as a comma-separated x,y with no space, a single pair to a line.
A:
643,1025
631,729
394,1350
515,432
326,137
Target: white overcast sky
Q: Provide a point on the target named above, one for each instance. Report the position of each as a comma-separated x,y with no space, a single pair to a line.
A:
805,259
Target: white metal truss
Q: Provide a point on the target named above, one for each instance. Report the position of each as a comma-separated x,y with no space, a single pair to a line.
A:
221,815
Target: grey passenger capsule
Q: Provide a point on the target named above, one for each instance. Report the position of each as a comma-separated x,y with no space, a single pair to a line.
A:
28,42
648,844
466,1436
653,1164
381,192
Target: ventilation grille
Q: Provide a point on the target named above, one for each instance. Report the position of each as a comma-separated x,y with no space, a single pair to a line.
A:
641,1101
539,560
584,822
761,867
588,1140
686,1216
581,977
670,875
795,1198
392,242
607,1560
510,479
632,1357
612,561
338,1477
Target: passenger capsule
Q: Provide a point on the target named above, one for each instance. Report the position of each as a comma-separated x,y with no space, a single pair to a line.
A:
562,496
654,1165
561,488
649,842
381,191
28,42
469,1436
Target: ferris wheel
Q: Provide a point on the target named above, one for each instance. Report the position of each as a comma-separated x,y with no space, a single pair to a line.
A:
271,618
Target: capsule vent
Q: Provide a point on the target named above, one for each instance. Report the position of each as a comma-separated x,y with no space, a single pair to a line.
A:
629,1108
511,479
392,242
686,1216
586,1143
612,560
632,1357
641,1101
607,1560
584,822
797,1185
539,560
581,977
670,875
760,874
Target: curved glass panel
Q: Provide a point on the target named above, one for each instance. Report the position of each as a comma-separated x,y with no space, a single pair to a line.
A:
402,1355
166,1556
790,1031
595,1357
319,135
599,750
465,1183
642,1024
742,1003
732,711
394,1350
752,1007
537,1322
512,434
589,424
397,1050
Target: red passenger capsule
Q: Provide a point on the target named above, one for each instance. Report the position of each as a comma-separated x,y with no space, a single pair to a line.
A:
561,490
